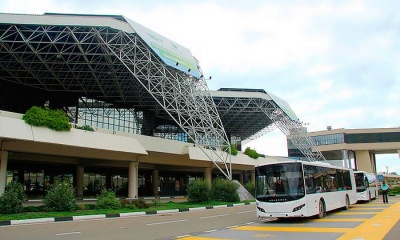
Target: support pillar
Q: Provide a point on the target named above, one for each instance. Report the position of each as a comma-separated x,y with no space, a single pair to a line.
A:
241,178
253,177
79,181
3,170
373,162
133,179
155,182
346,160
363,159
207,175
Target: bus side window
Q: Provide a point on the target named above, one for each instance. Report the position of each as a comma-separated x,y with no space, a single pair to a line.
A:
309,179
366,182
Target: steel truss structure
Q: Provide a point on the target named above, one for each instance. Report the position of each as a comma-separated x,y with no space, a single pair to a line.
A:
245,111
297,134
242,116
117,67
184,98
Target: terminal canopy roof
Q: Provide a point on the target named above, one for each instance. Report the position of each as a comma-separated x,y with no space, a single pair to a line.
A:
60,58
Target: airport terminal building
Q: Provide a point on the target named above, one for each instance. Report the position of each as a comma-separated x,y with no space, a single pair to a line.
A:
157,126
357,148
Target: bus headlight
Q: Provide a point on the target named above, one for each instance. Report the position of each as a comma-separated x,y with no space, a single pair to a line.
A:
261,209
299,207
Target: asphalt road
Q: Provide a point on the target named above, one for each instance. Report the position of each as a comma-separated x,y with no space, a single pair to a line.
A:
368,221
159,226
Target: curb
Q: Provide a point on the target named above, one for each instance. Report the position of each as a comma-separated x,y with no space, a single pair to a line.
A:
113,215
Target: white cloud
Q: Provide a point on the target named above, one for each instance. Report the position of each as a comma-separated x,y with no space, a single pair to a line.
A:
325,86
318,70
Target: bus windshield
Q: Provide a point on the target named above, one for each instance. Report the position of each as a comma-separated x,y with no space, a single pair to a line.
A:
361,181
280,182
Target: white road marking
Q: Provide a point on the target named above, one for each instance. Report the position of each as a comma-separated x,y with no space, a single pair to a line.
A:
233,226
215,216
246,211
67,233
183,220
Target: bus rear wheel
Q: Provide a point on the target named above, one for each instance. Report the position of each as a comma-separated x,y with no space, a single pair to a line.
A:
321,209
347,203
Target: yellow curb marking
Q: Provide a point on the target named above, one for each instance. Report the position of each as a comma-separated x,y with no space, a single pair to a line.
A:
355,213
340,220
293,229
376,227
202,238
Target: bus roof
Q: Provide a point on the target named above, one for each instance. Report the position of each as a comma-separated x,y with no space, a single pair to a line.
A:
315,163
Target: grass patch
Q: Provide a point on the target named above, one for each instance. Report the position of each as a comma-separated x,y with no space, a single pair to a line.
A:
38,212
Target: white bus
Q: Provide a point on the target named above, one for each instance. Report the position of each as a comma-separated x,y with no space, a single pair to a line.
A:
366,185
309,189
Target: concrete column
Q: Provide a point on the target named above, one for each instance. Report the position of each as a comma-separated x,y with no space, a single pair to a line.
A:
3,170
253,177
242,178
363,159
79,181
155,182
345,158
133,179
207,175
373,162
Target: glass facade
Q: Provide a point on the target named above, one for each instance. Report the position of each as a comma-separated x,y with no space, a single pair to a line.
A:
373,137
329,139
37,179
98,114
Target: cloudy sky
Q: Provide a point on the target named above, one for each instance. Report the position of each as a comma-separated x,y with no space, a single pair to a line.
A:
335,62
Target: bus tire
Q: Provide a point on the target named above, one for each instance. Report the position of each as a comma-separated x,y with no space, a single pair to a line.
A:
321,209
369,197
346,203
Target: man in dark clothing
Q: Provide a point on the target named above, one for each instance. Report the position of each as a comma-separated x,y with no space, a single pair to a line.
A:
279,188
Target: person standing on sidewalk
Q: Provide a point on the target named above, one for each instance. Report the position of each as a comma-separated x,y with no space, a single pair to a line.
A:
385,188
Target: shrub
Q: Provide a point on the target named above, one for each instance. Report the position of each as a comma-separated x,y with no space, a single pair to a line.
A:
140,203
224,190
107,200
12,198
41,208
53,119
86,128
234,150
250,188
61,197
199,191
128,204
84,207
251,153
134,204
